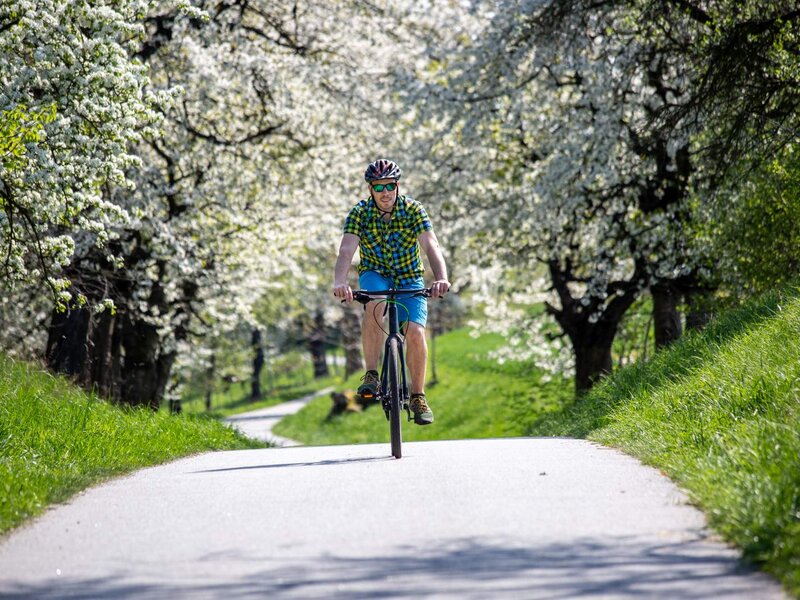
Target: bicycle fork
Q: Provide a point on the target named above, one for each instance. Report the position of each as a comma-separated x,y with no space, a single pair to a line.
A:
405,396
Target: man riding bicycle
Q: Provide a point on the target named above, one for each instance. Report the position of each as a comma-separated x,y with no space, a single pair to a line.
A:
388,229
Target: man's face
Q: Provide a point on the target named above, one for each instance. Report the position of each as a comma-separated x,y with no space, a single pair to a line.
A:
384,198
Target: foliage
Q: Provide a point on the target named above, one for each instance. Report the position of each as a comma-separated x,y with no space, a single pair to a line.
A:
578,133
743,58
19,127
188,165
719,414
242,186
56,440
752,227
571,200
73,104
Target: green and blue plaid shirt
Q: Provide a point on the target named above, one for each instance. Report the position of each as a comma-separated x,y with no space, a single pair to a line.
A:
389,247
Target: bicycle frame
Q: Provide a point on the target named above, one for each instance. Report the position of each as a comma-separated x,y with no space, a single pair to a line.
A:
393,391
394,334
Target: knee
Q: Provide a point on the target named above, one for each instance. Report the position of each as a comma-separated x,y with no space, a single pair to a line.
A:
373,316
415,334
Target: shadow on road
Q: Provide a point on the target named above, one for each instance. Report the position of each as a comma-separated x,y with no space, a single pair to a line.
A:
462,568
318,463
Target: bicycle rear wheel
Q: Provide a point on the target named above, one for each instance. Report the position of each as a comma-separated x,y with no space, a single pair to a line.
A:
395,403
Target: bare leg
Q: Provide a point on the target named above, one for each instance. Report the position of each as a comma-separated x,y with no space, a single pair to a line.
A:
417,356
372,336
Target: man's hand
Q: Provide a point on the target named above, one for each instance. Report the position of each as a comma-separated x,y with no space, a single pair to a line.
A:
439,288
343,291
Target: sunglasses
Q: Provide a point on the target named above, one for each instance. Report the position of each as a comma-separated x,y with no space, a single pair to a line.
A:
389,187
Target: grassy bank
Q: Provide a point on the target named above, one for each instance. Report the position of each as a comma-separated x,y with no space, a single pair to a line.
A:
720,414
55,440
474,398
287,377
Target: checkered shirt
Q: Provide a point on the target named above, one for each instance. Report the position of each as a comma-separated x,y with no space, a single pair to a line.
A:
389,248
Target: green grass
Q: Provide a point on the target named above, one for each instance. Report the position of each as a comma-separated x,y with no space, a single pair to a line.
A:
474,398
237,399
720,414
55,440
288,377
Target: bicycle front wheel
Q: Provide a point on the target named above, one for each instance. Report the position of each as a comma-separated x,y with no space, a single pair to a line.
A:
395,403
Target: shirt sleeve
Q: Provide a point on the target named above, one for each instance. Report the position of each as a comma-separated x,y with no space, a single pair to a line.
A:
420,222
352,224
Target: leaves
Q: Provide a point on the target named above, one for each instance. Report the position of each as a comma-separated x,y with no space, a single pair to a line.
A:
19,128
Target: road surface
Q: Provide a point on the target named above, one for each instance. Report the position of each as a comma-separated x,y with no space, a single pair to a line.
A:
498,518
258,424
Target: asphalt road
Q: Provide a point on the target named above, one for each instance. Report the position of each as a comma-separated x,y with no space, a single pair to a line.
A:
258,424
515,518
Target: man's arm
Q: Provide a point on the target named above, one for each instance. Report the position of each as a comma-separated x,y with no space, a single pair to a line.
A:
347,250
429,243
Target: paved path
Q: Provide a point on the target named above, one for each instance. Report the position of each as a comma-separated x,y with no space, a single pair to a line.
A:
503,518
258,424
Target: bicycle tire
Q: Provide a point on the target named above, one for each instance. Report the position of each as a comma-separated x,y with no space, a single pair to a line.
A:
395,403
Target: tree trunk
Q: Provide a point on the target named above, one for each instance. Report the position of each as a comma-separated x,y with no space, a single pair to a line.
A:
258,365
351,339
697,313
434,376
101,367
144,373
589,324
666,317
210,374
163,371
112,355
592,358
316,346
67,341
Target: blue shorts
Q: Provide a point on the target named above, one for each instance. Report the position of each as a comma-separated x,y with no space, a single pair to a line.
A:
414,309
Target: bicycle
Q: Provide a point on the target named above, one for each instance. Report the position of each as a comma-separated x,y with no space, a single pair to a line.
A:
393,392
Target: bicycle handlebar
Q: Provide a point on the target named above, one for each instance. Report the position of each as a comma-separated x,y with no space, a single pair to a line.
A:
364,296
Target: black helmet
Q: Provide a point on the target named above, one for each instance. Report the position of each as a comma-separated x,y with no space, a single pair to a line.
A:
382,169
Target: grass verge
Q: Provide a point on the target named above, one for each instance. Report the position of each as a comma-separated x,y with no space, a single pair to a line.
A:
289,377
55,440
233,402
474,398
719,412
